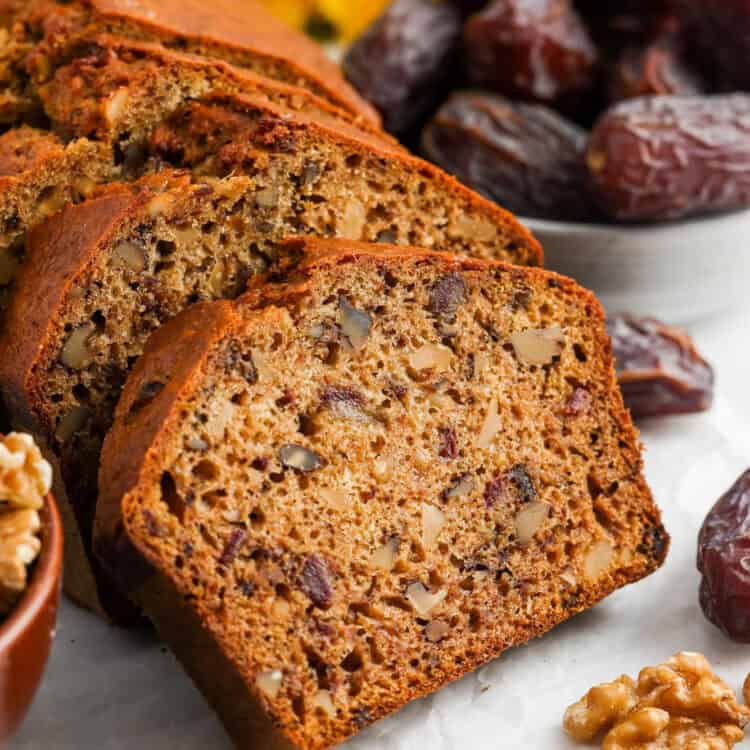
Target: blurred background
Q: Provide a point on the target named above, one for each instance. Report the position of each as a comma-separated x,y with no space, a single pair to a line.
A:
328,20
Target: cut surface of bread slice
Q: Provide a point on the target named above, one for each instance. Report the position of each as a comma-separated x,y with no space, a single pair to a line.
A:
102,276
39,174
243,33
116,88
339,492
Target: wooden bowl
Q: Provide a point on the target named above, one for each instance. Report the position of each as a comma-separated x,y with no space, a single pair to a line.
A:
26,635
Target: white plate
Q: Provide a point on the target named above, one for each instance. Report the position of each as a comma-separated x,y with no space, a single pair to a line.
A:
679,271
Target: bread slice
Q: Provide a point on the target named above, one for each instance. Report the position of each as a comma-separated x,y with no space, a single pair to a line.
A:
123,87
338,493
243,33
102,276
39,173
346,182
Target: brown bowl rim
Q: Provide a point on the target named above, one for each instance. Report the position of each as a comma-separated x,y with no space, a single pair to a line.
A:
45,578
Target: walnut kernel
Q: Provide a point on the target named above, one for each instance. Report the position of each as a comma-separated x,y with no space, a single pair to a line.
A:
538,347
678,705
25,477
76,353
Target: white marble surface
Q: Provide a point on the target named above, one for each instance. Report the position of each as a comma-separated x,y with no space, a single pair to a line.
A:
110,690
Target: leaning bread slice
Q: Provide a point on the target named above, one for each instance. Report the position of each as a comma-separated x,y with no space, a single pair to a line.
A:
329,178
336,494
244,33
124,87
102,276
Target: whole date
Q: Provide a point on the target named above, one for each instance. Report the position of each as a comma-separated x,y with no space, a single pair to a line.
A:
724,561
524,156
667,157
404,62
659,369
530,49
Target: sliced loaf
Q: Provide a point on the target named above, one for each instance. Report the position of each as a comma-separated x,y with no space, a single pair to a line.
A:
243,33
336,494
100,277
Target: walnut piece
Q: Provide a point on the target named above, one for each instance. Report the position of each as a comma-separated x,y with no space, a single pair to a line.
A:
25,479
678,705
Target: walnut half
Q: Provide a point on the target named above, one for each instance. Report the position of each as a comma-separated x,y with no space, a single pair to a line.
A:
678,705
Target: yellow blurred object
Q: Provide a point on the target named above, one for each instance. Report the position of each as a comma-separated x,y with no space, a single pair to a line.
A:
349,18
294,12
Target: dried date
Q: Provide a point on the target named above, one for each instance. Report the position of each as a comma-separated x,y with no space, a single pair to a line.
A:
530,49
402,64
667,157
658,68
524,156
724,561
659,369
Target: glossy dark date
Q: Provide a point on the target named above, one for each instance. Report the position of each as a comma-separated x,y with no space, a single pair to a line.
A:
403,63
530,49
524,156
724,561
667,157
659,370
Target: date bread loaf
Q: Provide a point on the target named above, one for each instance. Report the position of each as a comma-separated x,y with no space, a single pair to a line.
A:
244,33
101,276
339,492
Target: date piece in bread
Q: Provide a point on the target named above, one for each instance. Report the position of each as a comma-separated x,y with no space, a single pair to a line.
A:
336,494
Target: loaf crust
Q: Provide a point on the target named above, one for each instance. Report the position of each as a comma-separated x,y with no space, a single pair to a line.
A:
245,34
169,550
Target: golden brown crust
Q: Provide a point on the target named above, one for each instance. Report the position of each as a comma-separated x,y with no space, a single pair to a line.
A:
137,449
172,357
55,249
